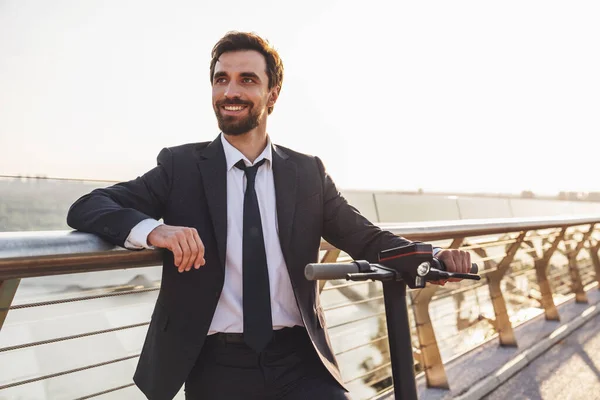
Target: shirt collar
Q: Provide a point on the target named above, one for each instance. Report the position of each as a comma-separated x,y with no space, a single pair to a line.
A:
233,155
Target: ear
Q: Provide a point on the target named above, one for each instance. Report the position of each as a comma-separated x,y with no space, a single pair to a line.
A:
273,96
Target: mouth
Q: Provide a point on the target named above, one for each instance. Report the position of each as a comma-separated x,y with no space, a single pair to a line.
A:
233,109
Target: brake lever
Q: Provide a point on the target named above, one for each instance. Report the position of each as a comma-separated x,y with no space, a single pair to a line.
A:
377,273
435,274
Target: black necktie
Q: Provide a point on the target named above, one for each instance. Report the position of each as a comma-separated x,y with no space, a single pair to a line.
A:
258,325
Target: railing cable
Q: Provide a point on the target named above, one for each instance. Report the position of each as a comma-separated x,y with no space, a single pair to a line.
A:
73,299
78,336
70,371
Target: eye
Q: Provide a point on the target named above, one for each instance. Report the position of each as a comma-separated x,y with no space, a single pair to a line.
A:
248,80
220,80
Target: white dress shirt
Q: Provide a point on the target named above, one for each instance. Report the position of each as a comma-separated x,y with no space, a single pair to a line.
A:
228,316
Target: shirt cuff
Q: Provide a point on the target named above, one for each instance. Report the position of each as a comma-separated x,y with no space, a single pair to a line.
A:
138,237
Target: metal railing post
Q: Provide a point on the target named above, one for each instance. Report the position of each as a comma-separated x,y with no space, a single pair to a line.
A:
595,260
572,253
541,272
431,359
8,288
502,322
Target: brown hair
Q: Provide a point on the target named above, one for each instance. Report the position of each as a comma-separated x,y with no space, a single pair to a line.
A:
236,41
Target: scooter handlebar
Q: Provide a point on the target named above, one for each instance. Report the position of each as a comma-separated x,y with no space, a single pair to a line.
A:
325,271
328,271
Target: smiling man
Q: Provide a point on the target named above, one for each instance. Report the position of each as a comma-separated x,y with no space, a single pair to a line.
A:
235,318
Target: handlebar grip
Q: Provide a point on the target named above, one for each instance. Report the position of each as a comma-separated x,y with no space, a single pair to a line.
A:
442,266
325,271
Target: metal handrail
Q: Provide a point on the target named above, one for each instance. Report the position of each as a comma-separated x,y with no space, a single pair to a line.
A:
31,254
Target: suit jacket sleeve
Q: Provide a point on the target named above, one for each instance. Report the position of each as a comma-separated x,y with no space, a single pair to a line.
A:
345,228
112,212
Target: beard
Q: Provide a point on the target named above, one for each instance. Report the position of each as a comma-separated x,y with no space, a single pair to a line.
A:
235,126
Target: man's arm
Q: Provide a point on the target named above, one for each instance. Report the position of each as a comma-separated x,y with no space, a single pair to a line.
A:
345,228
112,212
126,215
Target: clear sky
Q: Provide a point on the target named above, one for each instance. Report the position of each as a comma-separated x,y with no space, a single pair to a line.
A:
440,95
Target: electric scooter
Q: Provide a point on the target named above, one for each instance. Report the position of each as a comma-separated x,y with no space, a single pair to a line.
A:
412,265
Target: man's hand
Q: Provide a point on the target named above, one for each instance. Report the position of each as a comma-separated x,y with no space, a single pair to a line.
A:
456,261
184,242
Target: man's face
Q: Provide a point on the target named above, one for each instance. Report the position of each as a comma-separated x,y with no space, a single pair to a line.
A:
241,94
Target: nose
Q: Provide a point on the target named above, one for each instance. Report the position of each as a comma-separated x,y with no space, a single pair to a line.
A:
232,90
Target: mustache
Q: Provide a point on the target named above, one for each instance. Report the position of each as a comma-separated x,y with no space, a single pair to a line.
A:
231,102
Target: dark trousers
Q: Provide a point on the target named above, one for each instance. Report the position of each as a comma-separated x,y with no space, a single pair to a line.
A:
288,369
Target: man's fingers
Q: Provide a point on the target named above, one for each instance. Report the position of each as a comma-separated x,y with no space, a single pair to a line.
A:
199,261
197,246
185,249
177,253
458,262
192,253
184,243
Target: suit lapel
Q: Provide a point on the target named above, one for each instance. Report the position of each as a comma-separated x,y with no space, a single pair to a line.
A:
285,176
213,169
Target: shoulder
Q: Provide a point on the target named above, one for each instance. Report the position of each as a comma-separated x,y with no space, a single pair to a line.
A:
305,161
183,151
294,155
188,148
183,154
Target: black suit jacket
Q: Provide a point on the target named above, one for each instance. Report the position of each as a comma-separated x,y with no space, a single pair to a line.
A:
188,188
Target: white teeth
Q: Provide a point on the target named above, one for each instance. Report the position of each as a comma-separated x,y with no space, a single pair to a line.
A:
234,108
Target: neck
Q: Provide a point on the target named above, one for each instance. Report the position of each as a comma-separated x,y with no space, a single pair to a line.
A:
251,144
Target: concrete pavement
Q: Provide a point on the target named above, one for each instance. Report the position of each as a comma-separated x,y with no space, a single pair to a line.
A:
570,370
